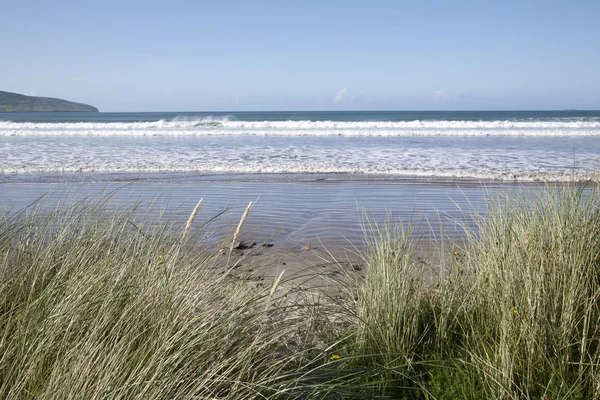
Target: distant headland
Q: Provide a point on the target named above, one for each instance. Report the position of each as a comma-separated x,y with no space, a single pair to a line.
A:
14,102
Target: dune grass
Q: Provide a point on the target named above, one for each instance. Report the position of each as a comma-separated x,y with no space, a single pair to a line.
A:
101,305
515,314
93,305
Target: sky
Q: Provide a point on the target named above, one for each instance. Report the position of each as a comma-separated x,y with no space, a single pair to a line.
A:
232,55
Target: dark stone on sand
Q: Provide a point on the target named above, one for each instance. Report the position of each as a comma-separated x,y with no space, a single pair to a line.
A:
238,245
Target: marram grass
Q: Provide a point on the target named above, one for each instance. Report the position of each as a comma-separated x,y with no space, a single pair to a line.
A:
105,305
93,308
515,314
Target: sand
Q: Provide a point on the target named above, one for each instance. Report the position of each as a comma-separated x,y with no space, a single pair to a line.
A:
313,229
289,213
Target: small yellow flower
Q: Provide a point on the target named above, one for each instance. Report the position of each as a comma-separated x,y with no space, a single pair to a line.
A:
335,357
456,253
514,311
160,258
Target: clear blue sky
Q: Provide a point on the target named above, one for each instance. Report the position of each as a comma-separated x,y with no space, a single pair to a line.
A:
304,55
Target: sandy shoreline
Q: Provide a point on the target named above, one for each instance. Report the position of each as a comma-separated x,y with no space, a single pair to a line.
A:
303,279
322,267
316,225
288,213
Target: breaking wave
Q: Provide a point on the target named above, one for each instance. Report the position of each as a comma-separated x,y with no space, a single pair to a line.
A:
223,126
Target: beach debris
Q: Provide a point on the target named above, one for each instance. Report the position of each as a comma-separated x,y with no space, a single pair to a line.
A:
267,245
237,245
243,245
306,247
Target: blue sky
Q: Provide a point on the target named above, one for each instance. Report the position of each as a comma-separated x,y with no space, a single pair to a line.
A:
304,55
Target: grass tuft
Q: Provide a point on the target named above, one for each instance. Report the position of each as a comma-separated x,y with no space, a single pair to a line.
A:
111,304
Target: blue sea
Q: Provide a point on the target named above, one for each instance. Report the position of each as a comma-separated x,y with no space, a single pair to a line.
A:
523,146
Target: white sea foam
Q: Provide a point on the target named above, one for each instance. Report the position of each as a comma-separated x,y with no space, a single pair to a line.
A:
226,127
301,157
549,176
557,149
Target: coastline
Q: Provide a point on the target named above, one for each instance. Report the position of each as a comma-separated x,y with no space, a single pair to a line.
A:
330,214
199,176
298,222
289,209
119,276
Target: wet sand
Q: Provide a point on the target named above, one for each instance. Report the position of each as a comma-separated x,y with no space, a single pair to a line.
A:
297,226
289,214
322,267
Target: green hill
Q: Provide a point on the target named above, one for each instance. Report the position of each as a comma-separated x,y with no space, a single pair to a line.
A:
14,102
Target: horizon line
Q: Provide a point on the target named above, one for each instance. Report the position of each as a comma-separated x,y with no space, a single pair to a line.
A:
351,111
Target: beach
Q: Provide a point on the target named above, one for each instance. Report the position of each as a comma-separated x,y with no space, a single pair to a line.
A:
287,212
315,179
302,225
300,200
300,255
104,285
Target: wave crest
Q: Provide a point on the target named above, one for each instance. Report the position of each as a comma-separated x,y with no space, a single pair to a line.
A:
224,126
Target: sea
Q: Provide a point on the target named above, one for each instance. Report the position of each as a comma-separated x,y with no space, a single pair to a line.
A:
548,146
312,176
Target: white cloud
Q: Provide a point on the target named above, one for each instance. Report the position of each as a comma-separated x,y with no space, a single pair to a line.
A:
343,95
440,96
444,97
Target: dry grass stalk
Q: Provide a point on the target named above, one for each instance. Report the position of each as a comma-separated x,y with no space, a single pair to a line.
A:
188,225
275,284
239,227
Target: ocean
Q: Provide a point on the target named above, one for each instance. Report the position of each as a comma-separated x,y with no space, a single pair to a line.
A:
313,176
524,146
